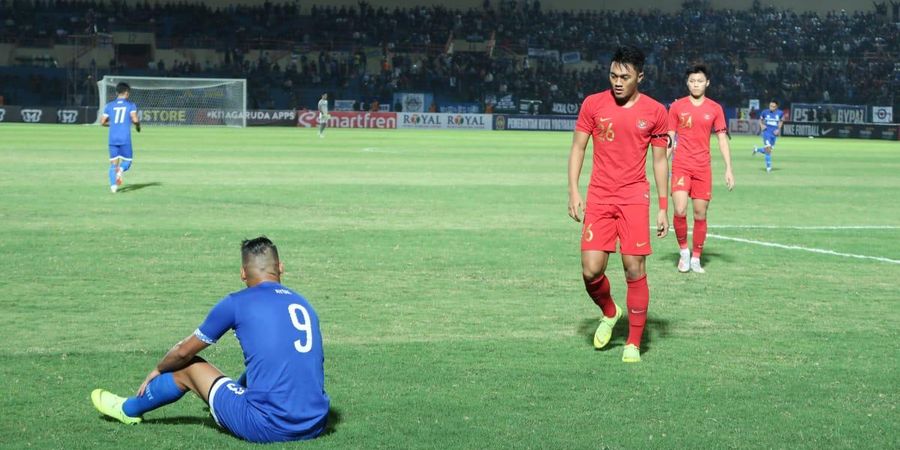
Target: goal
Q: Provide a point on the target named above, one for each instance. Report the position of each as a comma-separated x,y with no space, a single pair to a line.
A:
181,101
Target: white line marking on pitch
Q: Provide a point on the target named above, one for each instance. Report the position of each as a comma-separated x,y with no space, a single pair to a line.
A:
377,150
812,227
805,249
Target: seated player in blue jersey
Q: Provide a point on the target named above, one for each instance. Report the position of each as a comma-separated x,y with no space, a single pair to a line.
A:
281,396
118,115
770,121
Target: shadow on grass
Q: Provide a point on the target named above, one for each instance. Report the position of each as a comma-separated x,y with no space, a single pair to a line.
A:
136,186
179,420
334,419
654,329
706,258
206,421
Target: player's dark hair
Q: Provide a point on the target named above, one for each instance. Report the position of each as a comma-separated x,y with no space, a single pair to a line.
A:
774,101
122,88
699,68
258,247
628,54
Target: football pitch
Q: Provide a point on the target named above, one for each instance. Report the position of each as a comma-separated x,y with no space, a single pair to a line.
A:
447,278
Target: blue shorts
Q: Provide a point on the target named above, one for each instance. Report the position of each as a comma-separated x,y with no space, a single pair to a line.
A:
233,411
769,139
120,151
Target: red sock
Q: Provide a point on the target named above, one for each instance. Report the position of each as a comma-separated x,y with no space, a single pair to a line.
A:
699,236
680,223
599,292
638,300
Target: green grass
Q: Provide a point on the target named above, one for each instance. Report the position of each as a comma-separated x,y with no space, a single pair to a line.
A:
447,277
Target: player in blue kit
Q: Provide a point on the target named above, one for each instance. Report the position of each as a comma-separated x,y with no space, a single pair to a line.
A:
281,396
118,115
771,121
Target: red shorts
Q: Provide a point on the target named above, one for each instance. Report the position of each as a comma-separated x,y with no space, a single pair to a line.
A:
629,224
697,183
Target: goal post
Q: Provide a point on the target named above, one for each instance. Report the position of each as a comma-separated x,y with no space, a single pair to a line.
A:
181,101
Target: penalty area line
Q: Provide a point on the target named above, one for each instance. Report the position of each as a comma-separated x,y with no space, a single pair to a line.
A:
805,249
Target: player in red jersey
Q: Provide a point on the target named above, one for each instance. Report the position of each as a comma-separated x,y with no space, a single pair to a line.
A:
691,121
622,122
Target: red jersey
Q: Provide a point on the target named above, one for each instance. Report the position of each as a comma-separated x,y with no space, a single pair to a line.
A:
693,126
621,136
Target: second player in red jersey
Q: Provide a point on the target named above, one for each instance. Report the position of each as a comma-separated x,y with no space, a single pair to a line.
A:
692,120
622,123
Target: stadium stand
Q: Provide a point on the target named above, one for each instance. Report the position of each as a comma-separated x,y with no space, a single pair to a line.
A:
289,54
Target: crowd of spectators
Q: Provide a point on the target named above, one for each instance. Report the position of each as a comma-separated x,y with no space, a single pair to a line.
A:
763,52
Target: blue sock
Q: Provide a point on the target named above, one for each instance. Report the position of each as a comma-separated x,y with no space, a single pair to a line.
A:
161,391
112,174
768,160
125,165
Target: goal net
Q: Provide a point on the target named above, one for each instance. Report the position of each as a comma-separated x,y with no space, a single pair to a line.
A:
181,101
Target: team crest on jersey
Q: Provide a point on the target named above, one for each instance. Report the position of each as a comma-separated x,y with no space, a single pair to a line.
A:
685,121
707,117
642,124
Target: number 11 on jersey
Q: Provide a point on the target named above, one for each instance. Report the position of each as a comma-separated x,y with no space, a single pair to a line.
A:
120,114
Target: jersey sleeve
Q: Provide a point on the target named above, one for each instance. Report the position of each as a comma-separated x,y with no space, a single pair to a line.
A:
585,122
719,123
673,117
106,110
220,319
659,136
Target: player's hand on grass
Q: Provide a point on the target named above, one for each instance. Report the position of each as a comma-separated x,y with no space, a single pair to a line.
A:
729,180
662,223
576,206
150,376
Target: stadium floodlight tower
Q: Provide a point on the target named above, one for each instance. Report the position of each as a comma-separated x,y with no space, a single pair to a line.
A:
181,101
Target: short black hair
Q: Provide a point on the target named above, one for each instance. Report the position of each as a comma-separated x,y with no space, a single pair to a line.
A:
258,246
122,88
697,68
774,101
629,54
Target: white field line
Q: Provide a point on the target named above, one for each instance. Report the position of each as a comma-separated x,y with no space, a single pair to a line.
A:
805,249
377,150
810,227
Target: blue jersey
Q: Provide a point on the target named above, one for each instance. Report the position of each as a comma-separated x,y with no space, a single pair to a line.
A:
771,119
119,113
279,334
